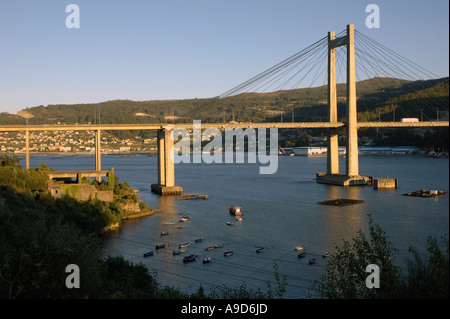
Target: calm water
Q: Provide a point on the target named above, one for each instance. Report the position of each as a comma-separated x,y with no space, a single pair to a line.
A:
280,212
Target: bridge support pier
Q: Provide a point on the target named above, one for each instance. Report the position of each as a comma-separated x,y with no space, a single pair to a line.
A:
332,176
166,168
98,155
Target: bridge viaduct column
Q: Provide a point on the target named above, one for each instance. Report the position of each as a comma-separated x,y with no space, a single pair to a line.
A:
166,168
27,149
98,154
332,140
352,129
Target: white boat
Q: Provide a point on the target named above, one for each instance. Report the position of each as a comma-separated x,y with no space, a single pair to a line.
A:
298,248
235,210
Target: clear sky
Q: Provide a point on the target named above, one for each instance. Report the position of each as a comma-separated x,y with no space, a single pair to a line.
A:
179,49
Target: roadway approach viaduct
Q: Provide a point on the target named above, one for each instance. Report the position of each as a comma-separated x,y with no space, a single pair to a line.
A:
166,171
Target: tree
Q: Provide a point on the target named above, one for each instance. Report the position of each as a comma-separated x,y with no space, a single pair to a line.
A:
345,274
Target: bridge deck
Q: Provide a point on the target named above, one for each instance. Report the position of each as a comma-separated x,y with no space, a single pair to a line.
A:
286,125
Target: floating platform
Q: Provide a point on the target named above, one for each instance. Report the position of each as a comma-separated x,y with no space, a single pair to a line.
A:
341,202
192,196
426,193
165,190
343,179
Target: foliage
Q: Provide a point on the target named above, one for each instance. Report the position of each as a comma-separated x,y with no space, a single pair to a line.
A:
345,273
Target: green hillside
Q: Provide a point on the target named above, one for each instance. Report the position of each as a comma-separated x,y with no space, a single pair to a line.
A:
377,99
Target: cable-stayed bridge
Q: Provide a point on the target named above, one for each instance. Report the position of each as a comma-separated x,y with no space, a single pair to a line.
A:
346,57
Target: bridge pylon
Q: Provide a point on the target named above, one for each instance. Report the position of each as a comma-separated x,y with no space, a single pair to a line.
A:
351,176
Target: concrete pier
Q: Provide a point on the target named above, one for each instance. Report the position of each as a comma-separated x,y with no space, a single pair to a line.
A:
385,183
166,168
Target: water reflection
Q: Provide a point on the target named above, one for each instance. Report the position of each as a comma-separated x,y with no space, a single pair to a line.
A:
343,221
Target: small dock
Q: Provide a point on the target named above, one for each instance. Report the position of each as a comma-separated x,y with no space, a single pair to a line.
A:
426,193
192,196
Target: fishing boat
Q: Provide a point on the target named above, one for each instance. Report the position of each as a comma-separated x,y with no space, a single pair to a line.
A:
301,255
149,253
312,261
235,210
207,260
164,233
228,253
160,246
260,250
189,258
298,248
177,252
184,245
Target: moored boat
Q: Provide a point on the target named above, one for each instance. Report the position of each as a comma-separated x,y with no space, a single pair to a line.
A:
199,240
164,233
312,261
327,254
260,250
149,253
160,246
218,246
298,248
177,252
228,253
301,255
230,224
209,248
207,260
235,210
184,245
189,258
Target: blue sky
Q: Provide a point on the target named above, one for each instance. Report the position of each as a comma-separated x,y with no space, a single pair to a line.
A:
179,49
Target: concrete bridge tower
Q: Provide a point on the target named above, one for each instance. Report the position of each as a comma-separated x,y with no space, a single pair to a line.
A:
351,176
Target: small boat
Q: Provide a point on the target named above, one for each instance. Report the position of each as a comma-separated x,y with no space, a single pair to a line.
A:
177,252
209,248
164,233
183,213
169,223
184,245
239,219
199,240
301,255
207,260
230,224
327,254
260,250
228,253
180,226
186,218
160,246
312,261
218,246
149,253
235,210
189,258
298,248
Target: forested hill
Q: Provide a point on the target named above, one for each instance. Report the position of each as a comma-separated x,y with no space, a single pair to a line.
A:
378,99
